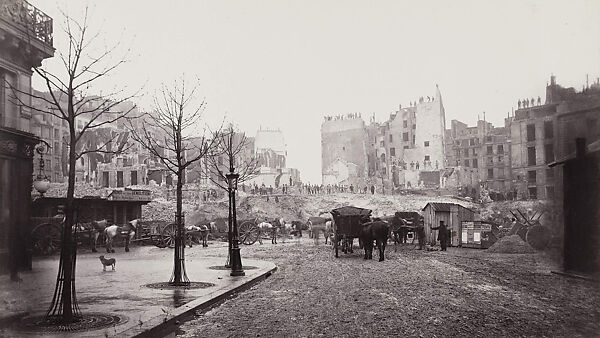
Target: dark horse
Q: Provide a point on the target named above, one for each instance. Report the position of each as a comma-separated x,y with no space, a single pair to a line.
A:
377,231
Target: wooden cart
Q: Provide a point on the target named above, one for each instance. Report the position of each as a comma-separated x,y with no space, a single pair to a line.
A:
347,225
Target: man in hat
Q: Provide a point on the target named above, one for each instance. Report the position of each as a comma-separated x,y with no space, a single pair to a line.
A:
442,235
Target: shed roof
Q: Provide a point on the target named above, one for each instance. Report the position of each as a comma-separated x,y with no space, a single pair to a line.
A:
445,207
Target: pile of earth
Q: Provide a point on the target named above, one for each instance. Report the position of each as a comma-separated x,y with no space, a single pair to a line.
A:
512,244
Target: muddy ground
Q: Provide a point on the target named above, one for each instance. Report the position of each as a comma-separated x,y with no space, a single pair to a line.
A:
461,292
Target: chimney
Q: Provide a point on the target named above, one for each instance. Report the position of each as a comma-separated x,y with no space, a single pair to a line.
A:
552,80
579,148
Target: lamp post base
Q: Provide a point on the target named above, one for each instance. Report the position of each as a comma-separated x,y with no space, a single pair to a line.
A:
236,263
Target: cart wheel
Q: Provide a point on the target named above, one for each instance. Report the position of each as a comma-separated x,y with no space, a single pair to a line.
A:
248,233
46,239
168,233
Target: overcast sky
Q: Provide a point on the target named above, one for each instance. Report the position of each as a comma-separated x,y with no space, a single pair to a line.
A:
286,64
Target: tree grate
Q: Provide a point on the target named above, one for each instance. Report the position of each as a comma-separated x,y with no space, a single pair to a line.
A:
222,267
188,286
86,322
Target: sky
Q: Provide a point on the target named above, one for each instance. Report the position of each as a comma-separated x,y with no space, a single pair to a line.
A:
286,64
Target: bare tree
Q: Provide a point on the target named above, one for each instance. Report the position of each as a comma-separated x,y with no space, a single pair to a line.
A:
166,134
232,153
82,66
234,148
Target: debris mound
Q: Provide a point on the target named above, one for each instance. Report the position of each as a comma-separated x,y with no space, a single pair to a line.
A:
511,244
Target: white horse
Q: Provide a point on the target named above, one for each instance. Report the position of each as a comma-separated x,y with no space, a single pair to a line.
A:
203,229
127,231
266,227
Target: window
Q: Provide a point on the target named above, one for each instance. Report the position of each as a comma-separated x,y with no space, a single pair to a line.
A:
414,126
404,136
105,179
474,151
548,130
531,132
533,193
426,157
490,160
134,180
82,161
381,144
472,142
490,150
405,124
500,172
530,155
500,159
466,163
488,139
391,139
532,177
119,178
500,149
466,152
406,147
392,151
413,139
475,163
426,143
549,150
490,173
549,174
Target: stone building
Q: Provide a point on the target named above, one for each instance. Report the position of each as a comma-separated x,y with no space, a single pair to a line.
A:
543,132
407,150
479,157
25,41
343,149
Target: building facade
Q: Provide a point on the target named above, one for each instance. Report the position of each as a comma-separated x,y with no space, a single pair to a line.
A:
541,133
25,41
407,150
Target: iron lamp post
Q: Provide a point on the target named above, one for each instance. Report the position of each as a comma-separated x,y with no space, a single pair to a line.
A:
236,259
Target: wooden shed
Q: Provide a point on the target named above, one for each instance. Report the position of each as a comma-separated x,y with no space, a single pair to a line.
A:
581,203
120,207
452,214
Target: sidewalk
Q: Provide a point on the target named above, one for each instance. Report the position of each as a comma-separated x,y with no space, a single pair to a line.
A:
124,292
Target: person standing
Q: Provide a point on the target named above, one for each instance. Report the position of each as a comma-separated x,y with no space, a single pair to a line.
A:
372,190
421,236
442,235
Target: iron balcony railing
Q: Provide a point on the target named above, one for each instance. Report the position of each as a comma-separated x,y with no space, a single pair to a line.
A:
24,14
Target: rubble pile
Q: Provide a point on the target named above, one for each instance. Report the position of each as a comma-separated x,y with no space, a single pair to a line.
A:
512,244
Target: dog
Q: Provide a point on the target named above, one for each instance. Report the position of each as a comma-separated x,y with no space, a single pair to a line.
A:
107,262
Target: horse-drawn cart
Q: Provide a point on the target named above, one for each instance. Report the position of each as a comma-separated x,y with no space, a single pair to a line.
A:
348,222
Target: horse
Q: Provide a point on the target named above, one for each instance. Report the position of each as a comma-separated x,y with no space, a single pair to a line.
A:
378,231
128,231
286,231
266,227
203,229
319,224
94,228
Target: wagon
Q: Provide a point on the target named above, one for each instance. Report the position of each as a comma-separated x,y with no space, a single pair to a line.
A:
46,235
348,222
164,236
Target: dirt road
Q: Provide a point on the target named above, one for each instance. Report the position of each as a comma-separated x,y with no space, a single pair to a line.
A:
462,292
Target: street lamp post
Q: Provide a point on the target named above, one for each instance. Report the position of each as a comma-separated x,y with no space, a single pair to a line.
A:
236,259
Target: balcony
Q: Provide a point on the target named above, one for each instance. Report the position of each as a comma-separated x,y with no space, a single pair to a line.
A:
28,18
